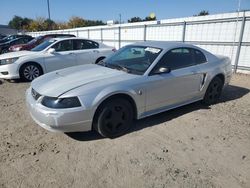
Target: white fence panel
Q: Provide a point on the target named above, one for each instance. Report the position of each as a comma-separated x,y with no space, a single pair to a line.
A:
110,34
83,33
164,33
132,33
95,34
246,36
244,56
224,32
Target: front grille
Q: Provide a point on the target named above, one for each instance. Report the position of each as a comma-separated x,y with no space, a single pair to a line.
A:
35,94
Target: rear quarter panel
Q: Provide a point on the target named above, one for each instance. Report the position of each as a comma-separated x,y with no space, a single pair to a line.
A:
215,66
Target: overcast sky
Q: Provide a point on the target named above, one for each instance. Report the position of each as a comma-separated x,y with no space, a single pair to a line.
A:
62,10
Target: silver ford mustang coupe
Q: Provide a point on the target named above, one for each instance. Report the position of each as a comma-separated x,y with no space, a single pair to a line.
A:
137,81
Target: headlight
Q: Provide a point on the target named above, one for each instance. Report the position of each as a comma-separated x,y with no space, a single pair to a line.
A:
8,61
17,49
53,102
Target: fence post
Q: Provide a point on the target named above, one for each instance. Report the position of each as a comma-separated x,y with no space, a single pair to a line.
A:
239,43
184,31
145,33
88,33
101,35
119,37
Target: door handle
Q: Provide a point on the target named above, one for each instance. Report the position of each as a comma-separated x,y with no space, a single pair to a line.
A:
96,51
71,53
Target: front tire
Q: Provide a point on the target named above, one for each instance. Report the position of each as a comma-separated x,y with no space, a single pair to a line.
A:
114,118
213,92
99,60
30,71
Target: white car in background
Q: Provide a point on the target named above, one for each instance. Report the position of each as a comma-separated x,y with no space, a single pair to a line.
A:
51,55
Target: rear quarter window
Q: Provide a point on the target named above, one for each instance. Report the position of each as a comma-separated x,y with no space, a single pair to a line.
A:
199,57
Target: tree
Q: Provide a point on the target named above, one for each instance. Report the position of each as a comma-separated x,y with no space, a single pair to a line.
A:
202,13
19,23
25,23
135,19
43,24
138,19
37,24
93,22
49,25
76,22
62,25
148,18
16,22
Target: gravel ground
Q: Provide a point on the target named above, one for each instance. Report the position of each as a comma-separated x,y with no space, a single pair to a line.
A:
192,146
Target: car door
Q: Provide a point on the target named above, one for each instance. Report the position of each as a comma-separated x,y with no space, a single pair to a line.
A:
63,57
180,85
86,51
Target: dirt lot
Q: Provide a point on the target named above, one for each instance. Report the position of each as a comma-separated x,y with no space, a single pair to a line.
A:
191,146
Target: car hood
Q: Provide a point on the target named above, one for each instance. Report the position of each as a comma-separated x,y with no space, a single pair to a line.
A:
57,83
16,54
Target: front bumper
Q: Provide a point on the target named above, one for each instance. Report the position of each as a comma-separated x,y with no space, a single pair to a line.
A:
9,71
58,120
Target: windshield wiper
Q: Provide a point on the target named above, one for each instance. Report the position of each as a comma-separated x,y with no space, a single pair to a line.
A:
120,67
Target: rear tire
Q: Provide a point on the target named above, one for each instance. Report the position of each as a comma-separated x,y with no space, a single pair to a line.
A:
30,71
213,92
114,118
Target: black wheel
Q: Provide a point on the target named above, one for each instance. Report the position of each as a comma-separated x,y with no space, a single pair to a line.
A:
213,92
99,60
30,71
114,118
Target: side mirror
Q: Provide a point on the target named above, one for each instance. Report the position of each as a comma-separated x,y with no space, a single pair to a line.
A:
162,70
51,50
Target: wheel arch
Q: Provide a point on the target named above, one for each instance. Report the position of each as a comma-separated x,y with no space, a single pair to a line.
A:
115,96
30,62
221,76
99,59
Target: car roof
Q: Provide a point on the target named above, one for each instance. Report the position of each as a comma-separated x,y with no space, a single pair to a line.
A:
58,34
164,44
74,38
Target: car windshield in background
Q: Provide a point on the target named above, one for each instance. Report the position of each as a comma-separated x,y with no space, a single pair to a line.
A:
133,59
43,45
34,40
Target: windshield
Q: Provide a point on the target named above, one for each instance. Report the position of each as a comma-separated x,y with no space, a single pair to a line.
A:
43,45
132,59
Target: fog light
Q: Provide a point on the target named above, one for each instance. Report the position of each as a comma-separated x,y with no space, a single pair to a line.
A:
4,73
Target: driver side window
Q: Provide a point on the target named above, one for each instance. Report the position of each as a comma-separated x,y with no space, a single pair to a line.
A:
62,46
177,58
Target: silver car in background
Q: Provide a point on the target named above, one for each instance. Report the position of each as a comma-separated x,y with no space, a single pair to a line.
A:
137,81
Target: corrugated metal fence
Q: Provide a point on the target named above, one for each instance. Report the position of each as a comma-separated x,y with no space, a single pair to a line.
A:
226,34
